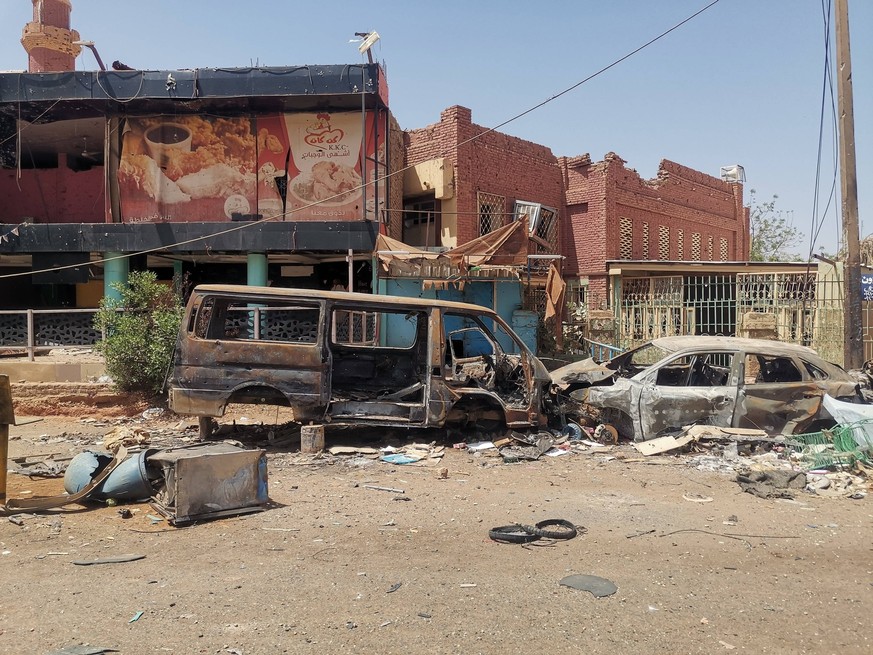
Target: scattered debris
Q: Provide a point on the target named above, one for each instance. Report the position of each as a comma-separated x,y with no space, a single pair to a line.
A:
127,436
119,559
771,484
663,444
136,617
597,586
555,529
394,587
83,649
388,489
697,498
52,502
209,480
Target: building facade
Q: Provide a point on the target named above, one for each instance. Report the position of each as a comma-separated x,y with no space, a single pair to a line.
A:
612,213
256,175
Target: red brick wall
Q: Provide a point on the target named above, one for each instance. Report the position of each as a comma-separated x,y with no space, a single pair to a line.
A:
678,198
494,163
591,198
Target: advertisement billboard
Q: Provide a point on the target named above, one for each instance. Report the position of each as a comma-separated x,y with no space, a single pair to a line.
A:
295,166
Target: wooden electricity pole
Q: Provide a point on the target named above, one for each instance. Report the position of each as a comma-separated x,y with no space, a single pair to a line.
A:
853,341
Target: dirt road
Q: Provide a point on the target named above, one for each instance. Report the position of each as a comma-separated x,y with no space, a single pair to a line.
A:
336,567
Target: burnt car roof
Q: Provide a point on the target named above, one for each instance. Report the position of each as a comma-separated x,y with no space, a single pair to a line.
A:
677,344
349,296
589,371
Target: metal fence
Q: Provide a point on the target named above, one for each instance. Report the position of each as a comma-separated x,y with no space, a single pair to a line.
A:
43,329
807,308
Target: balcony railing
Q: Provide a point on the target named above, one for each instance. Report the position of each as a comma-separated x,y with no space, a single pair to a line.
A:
43,329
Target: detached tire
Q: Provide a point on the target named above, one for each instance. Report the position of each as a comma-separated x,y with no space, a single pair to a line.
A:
557,529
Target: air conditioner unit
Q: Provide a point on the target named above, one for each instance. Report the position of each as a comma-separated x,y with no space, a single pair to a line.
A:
735,173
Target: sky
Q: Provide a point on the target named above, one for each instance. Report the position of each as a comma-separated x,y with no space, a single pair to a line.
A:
742,83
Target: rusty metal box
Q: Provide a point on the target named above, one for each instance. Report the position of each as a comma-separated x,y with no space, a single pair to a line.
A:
209,480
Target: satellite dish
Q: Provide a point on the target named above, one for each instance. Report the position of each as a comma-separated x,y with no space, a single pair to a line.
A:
735,173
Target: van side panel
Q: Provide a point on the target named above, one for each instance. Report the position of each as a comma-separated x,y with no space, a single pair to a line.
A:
210,372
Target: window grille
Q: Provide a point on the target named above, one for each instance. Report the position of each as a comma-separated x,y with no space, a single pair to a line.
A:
626,239
663,242
491,212
547,229
709,247
645,241
695,246
724,249
542,222
680,244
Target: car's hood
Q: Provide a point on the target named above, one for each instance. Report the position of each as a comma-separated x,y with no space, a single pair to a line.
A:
585,371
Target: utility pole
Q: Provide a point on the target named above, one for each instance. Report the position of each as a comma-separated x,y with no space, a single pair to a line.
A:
853,340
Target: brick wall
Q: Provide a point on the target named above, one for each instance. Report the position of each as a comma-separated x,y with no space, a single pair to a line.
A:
591,198
493,163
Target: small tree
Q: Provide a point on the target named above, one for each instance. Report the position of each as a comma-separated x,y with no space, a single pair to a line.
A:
140,332
773,235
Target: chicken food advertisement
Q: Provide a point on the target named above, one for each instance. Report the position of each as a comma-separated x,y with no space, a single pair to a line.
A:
301,166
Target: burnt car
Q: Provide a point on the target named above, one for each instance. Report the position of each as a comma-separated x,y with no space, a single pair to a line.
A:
353,358
672,382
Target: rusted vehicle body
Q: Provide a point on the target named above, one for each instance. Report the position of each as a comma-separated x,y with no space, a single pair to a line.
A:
723,381
354,358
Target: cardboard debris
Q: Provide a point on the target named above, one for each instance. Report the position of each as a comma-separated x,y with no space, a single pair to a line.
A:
699,432
663,444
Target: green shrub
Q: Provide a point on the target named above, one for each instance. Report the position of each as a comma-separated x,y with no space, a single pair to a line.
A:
140,332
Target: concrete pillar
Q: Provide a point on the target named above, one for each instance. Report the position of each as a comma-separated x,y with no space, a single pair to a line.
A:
256,268
114,271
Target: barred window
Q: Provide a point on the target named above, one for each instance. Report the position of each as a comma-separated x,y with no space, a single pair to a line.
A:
542,222
491,212
663,242
626,239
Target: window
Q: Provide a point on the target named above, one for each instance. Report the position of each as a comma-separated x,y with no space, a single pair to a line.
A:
815,372
663,242
695,246
763,369
626,239
696,370
723,247
542,223
680,244
645,241
242,319
419,222
387,329
491,212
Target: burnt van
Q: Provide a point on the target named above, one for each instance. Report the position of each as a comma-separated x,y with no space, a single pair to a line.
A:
349,358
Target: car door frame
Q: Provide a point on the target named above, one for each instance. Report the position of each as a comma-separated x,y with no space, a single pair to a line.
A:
795,403
662,407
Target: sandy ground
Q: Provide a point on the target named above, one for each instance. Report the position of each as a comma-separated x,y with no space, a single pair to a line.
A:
334,567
